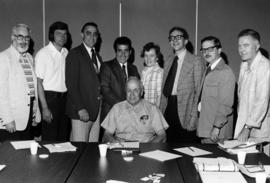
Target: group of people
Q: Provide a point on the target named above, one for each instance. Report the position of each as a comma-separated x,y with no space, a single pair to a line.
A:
72,93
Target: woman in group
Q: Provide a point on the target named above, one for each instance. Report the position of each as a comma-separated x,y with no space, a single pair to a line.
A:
152,73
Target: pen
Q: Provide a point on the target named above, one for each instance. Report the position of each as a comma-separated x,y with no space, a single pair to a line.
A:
191,149
261,165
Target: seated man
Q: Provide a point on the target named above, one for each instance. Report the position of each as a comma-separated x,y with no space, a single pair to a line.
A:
134,119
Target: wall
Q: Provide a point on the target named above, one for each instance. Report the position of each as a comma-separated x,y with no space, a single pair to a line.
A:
142,20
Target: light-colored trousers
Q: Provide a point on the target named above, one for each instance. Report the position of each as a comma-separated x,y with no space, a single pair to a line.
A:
85,131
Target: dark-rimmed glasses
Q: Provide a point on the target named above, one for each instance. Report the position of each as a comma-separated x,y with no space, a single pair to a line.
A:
209,49
21,37
175,38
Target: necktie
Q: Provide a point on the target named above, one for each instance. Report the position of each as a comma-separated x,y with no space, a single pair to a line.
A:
206,72
94,57
124,71
168,86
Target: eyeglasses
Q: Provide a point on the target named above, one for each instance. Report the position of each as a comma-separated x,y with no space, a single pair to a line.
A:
21,37
175,38
209,49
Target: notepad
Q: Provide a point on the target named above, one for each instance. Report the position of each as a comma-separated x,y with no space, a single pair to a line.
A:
192,151
60,147
245,169
124,145
222,177
160,155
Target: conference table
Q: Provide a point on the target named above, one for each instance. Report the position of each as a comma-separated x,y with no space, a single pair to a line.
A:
86,165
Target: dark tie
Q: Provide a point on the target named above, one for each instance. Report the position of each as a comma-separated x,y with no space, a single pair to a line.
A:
168,86
94,57
124,71
206,72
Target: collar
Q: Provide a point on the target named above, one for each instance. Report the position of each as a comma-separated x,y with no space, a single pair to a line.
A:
213,65
54,50
88,49
153,68
139,105
182,54
254,63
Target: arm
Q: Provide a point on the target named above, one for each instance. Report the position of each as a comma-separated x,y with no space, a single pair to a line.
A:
160,137
109,137
46,112
106,89
159,85
198,72
5,107
72,83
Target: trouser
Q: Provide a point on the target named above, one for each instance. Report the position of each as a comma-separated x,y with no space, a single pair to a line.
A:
175,132
59,128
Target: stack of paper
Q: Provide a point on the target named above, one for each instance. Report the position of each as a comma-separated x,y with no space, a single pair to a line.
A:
160,155
251,170
60,147
215,164
24,144
192,151
234,146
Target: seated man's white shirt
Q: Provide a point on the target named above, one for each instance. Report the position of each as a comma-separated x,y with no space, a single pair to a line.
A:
135,123
50,66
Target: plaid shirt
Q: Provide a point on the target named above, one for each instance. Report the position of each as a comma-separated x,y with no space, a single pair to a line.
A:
152,81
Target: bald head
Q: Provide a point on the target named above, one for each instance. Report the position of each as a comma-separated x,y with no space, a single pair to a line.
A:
134,90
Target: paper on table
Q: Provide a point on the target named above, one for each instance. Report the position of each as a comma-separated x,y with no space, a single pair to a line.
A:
2,167
229,144
160,155
222,177
251,149
125,145
60,147
115,181
192,151
22,144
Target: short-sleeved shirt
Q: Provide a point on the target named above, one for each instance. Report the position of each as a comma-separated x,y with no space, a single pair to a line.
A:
135,123
50,66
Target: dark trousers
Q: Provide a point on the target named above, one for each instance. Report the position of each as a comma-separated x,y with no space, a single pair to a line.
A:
175,132
20,135
59,128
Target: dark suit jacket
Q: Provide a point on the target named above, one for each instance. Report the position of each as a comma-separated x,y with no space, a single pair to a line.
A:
82,83
113,84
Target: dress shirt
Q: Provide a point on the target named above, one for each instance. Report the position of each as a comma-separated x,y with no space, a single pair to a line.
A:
135,123
125,64
50,66
152,81
181,57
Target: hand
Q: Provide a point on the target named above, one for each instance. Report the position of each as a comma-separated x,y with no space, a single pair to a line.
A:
214,134
11,127
192,124
83,115
244,135
47,115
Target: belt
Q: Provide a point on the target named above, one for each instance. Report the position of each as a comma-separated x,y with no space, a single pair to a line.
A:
55,94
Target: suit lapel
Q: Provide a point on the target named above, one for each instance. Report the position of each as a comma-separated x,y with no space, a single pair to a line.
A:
186,67
117,70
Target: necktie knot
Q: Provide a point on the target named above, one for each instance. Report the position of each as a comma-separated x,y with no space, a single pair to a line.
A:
124,71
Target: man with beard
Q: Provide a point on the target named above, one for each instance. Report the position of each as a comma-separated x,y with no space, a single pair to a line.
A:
18,90
217,95
50,69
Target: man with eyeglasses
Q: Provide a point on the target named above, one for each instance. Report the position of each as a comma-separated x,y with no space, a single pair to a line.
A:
217,95
18,88
50,69
181,81
82,80
253,122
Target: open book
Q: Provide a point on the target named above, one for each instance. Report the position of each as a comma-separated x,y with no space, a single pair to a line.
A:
215,164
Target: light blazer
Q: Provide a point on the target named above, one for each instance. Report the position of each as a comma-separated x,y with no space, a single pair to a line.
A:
187,89
113,84
216,102
14,90
82,83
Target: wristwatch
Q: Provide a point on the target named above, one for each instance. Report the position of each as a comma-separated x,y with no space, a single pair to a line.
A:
247,127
